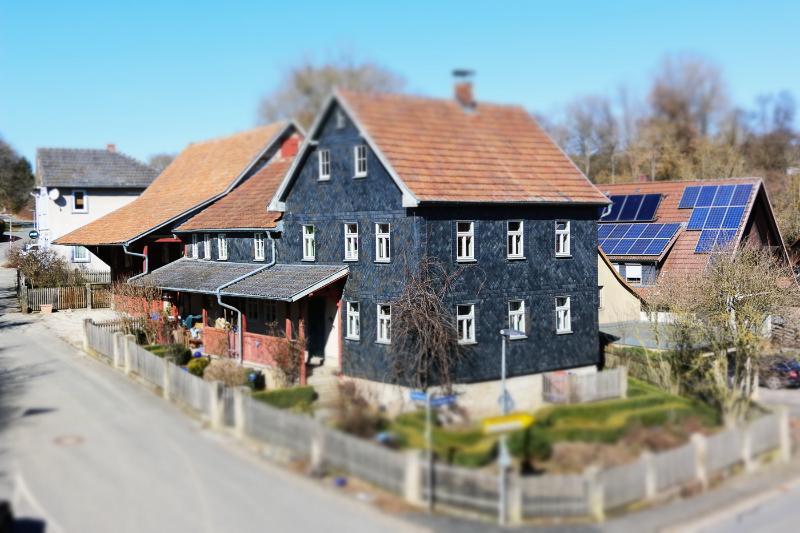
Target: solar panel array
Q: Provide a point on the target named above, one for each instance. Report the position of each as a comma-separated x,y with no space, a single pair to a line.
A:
632,208
635,239
717,212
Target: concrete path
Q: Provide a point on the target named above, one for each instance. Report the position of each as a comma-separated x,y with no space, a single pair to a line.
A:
83,449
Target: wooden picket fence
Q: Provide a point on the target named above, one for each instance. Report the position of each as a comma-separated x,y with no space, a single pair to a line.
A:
88,296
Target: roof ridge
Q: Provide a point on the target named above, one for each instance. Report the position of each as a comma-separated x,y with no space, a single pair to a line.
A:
277,124
437,99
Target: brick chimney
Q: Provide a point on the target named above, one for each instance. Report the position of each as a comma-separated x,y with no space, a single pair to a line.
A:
289,146
462,88
111,147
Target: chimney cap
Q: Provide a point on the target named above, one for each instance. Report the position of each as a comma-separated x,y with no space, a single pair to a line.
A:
111,147
463,73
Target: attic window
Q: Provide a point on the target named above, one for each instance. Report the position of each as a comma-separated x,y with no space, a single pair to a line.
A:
360,156
79,202
341,122
324,165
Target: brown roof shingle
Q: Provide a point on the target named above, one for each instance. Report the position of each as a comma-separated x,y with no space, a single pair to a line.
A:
496,153
201,171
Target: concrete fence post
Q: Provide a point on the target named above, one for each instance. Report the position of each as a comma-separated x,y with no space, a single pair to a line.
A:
117,340
166,391
88,296
317,449
216,411
514,509
785,436
412,480
130,344
650,482
623,381
239,421
87,323
700,446
747,450
594,493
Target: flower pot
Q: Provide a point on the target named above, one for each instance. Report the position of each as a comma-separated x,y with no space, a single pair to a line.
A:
47,309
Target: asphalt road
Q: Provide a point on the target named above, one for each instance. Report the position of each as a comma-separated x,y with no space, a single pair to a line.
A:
83,449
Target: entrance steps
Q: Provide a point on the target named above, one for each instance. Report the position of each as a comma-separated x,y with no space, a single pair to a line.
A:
326,384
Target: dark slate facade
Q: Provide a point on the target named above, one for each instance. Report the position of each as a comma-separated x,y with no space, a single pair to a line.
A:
241,248
489,282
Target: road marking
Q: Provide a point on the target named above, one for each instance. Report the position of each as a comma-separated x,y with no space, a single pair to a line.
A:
22,492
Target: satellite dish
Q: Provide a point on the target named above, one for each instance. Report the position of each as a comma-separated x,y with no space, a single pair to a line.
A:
54,194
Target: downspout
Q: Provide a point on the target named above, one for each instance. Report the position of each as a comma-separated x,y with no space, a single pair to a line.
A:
238,312
143,256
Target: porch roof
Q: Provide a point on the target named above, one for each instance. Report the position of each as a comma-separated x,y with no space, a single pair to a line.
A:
195,275
286,282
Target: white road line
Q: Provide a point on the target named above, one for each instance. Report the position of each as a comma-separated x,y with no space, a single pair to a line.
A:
22,492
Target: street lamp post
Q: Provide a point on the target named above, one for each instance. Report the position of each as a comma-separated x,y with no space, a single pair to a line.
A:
504,459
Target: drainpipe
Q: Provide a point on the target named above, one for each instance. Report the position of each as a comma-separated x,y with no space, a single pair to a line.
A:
238,312
143,256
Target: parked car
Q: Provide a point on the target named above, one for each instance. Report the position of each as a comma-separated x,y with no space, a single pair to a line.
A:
778,373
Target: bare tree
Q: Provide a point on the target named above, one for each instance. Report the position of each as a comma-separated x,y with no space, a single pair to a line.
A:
136,304
304,86
160,161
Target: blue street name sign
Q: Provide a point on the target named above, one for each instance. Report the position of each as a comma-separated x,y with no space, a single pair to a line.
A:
418,396
443,400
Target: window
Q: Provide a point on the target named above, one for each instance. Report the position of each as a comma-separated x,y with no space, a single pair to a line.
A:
351,242
382,243
341,122
599,296
309,247
516,316
80,254
465,323
79,202
465,241
633,273
563,320
360,155
324,165
562,238
207,246
194,250
258,246
616,267
222,247
252,311
353,321
384,330
514,237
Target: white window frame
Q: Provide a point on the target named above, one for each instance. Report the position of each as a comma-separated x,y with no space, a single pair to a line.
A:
515,240
351,241
383,243
353,320
600,296
222,247
360,160
195,249
340,119
85,208
207,246
259,253
324,157
563,325
78,259
516,318
633,280
468,238
563,239
309,243
465,323
383,324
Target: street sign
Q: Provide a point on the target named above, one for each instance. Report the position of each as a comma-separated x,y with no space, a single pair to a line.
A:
502,424
443,400
505,401
418,396
33,234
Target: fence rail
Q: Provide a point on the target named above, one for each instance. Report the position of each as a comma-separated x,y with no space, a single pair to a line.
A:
588,494
569,387
86,296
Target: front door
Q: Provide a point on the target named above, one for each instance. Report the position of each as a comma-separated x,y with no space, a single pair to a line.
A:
316,327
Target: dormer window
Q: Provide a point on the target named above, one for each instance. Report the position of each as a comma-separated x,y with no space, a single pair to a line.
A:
258,246
222,247
324,165
360,154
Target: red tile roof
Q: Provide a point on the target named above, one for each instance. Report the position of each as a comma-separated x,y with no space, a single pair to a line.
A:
496,153
200,172
680,257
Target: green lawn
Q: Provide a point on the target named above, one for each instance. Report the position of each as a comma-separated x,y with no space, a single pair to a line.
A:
294,398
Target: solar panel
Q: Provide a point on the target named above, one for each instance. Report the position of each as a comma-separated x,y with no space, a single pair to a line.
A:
733,217
706,196
656,247
651,231
616,206
639,246
624,246
638,239
604,230
631,207
741,195
647,211
706,241
724,195
725,237
714,218
635,231
609,245
667,231
619,230
698,218
689,197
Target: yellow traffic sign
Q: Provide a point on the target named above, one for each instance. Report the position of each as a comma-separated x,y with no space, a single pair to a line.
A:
505,423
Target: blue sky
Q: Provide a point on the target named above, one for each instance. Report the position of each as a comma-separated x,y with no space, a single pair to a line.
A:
153,76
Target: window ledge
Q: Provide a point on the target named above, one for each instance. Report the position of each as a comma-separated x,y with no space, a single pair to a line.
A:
356,339
308,260
564,332
359,176
517,337
355,260
466,260
385,343
515,257
467,343
563,256
382,261
324,179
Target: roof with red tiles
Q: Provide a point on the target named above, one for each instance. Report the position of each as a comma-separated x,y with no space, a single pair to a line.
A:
679,256
200,173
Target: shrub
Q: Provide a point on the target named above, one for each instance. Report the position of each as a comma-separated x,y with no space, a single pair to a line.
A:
353,413
227,371
531,443
180,353
197,366
297,398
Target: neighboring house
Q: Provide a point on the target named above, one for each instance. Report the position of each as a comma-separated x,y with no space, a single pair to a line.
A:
202,173
380,182
660,227
75,187
617,301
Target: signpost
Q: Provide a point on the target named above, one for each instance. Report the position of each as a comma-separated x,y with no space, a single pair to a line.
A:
506,403
430,402
33,234
507,423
